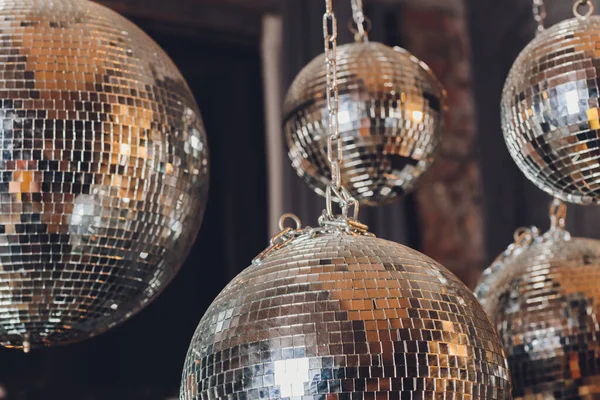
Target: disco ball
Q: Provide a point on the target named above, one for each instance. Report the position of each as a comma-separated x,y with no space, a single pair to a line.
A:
103,169
345,318
545,302
550,111
390,115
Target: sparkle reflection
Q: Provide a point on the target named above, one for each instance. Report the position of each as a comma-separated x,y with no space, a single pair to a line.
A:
290,376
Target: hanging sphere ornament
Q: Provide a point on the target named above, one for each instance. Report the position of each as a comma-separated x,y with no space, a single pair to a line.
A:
103,171
339,314
390,120
550,109
543,294
333,312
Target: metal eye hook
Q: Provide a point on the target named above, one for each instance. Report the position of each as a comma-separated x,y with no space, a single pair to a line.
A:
581,3
363,24
523,237
291,216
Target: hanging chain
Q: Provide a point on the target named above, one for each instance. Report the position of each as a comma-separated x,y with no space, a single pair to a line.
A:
26,343
558,215
583,3
361,33
335,190
334,144
539,14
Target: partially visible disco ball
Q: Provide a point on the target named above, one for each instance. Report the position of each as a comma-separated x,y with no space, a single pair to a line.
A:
341,317
103,170
551,114
390,115
545,302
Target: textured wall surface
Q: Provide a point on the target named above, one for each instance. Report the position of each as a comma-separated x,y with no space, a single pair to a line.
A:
449,200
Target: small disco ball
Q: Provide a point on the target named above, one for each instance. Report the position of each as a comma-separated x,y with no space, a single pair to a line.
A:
551,114
545,302
345,318
103,171
390,119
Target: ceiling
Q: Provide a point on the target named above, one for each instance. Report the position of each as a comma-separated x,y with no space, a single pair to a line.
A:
237,20
230,18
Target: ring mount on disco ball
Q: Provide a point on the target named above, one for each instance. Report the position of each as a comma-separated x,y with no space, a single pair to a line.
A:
583,3
103,171
551,109
543,295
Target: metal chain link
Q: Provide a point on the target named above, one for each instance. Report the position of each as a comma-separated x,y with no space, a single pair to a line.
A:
358,15
335,190
583,3
558,215
283,238
334,144
539,14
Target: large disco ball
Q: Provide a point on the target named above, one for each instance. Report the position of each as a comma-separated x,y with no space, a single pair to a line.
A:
545,302
550,110
390,115
103,170
345,318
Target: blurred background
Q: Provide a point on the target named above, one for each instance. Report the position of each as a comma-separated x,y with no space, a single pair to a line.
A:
239,56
